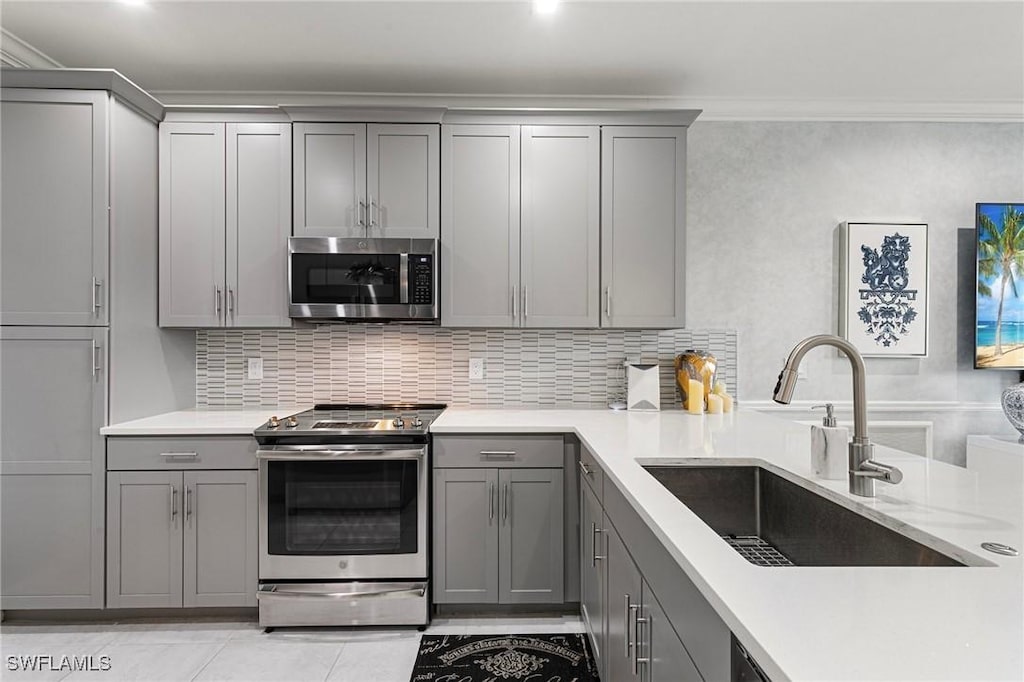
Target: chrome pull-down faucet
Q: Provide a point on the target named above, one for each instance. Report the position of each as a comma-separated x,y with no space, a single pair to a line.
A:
863,470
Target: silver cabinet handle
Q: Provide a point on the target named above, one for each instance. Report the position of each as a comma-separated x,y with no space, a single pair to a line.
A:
507,495
526,303
188,501
594,533
180,455
97,352
637,622
371,207
490,502
514,302
497,453
585,469
97,298
608,302
216,299
174,502
360,211
231,301
625,619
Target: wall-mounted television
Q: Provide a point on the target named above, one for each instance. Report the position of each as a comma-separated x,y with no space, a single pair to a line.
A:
999,303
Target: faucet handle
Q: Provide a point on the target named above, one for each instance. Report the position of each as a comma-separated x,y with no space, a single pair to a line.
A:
829,419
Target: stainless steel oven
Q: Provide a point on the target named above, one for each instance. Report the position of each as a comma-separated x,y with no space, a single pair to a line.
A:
343,525
343,512
353,279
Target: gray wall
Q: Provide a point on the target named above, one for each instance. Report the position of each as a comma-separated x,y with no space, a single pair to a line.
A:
764,202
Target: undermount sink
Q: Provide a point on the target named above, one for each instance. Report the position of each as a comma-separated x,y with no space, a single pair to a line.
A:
774,522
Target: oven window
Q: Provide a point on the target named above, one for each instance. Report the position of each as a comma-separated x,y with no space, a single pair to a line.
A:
342,507
342,278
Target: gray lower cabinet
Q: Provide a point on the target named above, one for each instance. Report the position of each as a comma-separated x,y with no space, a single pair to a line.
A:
657,641
593,575
498,536
181,538
623,600
54,207
53,400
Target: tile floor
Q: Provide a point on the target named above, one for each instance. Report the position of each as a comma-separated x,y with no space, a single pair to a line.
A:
209,651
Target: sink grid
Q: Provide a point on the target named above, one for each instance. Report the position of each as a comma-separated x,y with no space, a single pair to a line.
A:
757,551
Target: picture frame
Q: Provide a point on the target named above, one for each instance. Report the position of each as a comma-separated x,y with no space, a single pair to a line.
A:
998,306
883,300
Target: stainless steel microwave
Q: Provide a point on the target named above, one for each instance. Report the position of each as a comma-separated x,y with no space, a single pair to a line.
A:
363,280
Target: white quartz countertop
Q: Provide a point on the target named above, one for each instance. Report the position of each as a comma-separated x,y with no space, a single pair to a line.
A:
824,623
202,422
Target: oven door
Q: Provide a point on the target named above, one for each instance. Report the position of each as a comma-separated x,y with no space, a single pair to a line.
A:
343,512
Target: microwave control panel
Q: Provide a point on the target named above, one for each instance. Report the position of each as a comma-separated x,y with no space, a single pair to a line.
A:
421,279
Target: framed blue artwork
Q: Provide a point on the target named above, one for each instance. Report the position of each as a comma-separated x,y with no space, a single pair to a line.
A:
883,309
999,303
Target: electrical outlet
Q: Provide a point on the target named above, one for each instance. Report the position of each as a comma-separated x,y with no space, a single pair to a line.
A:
255,368
476,368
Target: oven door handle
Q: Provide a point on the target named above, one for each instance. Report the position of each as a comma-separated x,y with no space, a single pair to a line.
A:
292,594
322,455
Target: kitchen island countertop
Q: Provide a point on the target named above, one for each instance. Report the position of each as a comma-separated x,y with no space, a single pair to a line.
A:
823,623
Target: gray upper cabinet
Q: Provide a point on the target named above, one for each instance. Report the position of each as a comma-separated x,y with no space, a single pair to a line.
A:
225,207
220,543
643,224
53,401
480,226
520,228
465,562
560,212
531,562
144,515
359,180
54,207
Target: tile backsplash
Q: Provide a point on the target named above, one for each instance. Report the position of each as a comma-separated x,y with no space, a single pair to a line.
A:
378,363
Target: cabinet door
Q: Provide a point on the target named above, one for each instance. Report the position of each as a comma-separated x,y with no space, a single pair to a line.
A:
53,398
480,226
624,598
330,179
667,658
55,223
220,555
643,224
403,179
51,541
192,225
144,517
531,564
259,213
465,536
593,572
561,226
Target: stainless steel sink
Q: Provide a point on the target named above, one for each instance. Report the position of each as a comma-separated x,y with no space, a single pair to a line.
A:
774,522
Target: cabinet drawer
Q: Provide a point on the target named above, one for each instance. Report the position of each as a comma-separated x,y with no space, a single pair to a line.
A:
128,453
537,451
590,471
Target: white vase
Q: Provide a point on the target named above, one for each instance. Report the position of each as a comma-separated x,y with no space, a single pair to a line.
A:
1013,407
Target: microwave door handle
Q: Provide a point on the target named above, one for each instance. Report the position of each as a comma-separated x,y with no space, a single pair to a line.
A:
403,278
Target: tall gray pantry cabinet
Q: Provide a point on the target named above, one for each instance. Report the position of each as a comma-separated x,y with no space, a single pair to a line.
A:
79,342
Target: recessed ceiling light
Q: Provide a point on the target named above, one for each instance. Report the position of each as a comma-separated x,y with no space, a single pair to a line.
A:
545,6
134,3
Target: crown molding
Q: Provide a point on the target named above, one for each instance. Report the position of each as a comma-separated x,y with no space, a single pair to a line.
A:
713,108
85,79
16,53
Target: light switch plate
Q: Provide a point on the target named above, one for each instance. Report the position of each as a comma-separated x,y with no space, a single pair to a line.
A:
255,368
476,368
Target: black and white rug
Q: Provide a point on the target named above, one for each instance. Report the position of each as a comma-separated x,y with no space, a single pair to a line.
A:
501,658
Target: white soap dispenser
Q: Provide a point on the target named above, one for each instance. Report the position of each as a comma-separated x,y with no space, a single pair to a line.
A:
829,447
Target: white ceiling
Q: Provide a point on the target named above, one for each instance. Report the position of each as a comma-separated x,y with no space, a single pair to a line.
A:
861,57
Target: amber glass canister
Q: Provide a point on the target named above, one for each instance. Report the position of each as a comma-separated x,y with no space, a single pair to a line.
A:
698,365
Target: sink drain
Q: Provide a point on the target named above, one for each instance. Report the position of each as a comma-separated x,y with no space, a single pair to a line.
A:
999,548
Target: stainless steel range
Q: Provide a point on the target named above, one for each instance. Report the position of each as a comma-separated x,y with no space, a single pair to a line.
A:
343,516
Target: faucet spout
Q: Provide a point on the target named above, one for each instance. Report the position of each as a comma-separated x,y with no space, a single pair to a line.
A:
863,470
